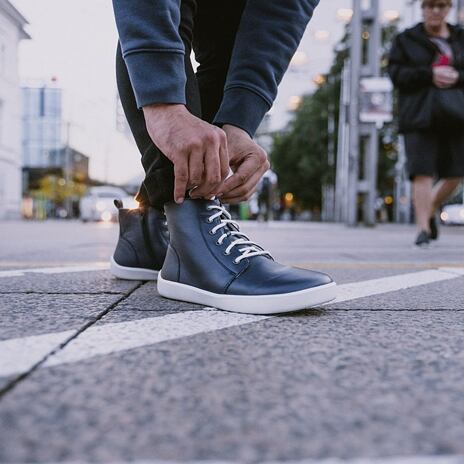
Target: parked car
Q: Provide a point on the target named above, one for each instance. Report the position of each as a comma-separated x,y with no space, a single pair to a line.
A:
453,214
98,204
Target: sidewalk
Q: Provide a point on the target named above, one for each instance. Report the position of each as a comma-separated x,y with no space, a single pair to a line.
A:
96,369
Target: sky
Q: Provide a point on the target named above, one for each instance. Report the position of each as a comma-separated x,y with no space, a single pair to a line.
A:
75,41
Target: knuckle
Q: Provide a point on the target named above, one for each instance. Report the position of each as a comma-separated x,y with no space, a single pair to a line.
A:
181,175
211,136
195,144
221,135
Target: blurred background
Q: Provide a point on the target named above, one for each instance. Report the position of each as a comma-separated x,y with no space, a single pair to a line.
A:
66,150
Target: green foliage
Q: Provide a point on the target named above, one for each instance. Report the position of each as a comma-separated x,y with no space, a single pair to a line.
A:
300,154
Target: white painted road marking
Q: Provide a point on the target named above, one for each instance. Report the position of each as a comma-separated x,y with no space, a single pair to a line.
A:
21,354
18,355
356,290
55,270
457,459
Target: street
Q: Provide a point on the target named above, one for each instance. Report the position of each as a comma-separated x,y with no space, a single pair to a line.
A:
95,369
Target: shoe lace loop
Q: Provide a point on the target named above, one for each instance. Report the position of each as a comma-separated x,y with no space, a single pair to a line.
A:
249,248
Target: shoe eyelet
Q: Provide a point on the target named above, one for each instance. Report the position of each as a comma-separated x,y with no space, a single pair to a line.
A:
235,262
211,232
217,243
225,253
209,220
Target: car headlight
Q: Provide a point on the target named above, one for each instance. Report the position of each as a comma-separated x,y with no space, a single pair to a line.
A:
106,216
100,205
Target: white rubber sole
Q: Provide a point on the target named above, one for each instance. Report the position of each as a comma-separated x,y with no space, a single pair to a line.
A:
131,273
254,304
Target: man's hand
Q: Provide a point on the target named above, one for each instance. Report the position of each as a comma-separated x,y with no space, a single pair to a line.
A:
248,162
197,149
445,77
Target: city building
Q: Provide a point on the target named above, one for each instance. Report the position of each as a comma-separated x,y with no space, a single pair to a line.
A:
42,124
12,31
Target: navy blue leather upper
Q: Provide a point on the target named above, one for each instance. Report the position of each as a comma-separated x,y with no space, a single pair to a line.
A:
143,238
195,258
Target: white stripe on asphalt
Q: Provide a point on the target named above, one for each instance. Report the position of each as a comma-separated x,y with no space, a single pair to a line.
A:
356,290
20,354
457,459
55,270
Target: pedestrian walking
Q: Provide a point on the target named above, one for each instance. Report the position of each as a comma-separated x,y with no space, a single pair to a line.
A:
427,67
192,129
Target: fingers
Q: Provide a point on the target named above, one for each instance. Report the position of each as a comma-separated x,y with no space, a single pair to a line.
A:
242,190
245,170
216,165
245,191
181,177
196,168
224,157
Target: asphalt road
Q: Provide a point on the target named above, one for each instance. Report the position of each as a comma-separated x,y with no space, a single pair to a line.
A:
94,369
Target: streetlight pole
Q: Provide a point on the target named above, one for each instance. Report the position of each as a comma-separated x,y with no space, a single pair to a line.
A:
353,113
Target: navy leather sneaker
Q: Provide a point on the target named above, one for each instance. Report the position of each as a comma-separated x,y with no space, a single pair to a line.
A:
210,262
142,244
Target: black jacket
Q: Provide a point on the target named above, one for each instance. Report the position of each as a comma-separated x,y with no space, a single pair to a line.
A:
410,68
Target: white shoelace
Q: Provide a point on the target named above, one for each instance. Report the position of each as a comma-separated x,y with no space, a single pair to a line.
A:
249,249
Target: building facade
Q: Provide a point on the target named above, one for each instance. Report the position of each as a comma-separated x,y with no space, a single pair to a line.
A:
42,125
12,31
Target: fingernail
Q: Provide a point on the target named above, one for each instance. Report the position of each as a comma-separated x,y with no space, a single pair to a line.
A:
179,200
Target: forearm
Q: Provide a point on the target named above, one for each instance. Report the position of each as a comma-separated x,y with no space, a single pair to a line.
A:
152,49
268,36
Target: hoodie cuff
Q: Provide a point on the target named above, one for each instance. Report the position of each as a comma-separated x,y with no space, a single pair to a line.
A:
242,108
157,76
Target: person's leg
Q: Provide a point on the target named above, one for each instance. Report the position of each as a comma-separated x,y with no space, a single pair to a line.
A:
442,190
143,236
422,194
157,188
216,25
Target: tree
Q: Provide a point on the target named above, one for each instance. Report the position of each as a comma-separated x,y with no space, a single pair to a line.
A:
300,154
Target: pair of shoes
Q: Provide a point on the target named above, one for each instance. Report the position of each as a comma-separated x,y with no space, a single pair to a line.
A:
210,262
433,224
422,239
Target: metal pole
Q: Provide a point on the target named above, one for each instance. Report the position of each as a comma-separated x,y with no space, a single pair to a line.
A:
355,74
372,144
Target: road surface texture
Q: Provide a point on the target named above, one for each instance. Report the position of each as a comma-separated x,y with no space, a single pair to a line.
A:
94,369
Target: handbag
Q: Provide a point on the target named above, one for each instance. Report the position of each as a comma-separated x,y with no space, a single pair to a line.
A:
448,107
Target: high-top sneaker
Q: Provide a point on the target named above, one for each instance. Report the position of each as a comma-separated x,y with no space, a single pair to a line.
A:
210,262
142,244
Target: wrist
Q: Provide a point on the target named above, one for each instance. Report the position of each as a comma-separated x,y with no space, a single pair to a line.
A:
164,108
231,130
